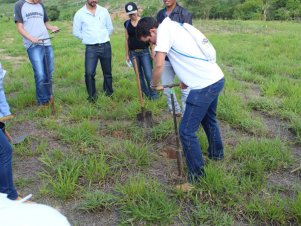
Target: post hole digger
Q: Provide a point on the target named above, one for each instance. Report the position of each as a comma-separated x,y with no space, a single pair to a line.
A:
178,150
144,118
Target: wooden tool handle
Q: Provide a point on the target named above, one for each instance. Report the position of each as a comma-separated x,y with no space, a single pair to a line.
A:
138,82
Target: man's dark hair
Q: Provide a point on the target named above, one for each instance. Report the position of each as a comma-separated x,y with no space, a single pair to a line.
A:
144,25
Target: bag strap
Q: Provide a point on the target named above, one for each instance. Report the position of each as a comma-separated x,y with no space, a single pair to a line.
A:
186,55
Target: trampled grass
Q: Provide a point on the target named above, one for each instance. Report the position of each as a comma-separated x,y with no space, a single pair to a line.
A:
97,155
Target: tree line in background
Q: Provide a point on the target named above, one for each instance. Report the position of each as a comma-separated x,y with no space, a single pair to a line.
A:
245,9
210,9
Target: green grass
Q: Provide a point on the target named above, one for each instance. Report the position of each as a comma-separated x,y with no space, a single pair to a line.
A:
268,209
63,178
296,208
96,167
97,200
97,156
205,214
145,200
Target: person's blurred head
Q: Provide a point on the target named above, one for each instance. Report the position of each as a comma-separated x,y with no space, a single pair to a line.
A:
35,1
92,3
169,3
146,30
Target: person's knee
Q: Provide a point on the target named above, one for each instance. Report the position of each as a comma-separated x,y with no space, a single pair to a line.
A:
183,132
89,74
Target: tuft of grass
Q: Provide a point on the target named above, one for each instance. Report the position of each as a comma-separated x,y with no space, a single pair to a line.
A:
232,110
23,182
295,126
295,208
97,201
130,154
271,153
145,201
266,105
219,185
162,130
256,157
204,214
31,147
270,210
62,177
81,134
96,167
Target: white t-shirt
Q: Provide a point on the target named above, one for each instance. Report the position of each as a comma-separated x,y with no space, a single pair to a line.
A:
182,50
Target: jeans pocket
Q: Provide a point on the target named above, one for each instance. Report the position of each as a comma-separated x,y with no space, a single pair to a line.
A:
198,97
216,88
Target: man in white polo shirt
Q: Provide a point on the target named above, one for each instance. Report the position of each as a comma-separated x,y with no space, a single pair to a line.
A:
92,25
204,79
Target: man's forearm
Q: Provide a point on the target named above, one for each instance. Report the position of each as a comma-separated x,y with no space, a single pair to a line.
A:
157,72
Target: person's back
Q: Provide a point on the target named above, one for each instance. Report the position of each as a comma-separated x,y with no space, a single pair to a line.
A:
186,57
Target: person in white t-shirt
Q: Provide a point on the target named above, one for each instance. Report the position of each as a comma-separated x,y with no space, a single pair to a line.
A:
204,79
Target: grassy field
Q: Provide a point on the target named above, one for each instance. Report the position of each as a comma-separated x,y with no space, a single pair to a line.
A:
69,7
94,163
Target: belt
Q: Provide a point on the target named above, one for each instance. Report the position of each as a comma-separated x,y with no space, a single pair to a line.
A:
138,50
97,44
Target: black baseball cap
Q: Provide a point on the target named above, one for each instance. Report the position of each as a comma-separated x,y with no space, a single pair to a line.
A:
131,8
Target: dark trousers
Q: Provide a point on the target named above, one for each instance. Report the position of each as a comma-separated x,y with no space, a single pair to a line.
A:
6,175
103,53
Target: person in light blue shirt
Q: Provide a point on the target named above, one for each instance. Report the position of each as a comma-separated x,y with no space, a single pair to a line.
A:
92,25
4,107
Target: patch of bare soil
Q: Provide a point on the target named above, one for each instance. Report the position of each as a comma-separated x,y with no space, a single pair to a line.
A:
18,60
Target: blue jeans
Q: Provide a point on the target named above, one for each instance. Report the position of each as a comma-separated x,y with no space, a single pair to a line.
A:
145,71
201,107
6,176
103,53
42,71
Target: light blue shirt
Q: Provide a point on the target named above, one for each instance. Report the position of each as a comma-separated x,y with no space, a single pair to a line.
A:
92,29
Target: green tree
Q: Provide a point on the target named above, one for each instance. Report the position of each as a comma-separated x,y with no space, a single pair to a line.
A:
200,8
294,8
224,9
248,10
53,12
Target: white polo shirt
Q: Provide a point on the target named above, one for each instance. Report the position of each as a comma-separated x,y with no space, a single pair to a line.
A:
182,52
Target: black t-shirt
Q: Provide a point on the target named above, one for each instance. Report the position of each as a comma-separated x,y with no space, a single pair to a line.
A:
133,42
